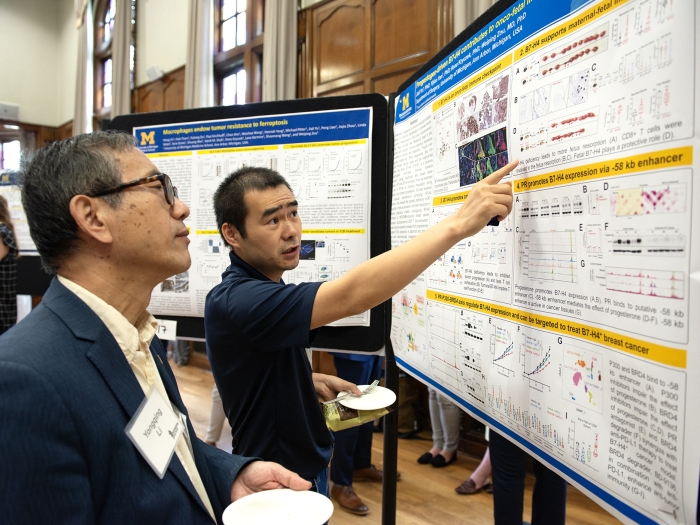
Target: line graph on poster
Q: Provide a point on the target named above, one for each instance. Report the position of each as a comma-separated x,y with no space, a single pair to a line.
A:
444,341
501,347
214,167
314,161
536,361
652,283
333,162
353,160
549,256
656,242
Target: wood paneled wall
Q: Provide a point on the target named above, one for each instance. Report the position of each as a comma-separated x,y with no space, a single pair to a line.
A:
368,46
165,94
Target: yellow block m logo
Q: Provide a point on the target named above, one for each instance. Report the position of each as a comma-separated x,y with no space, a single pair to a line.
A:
404,102
148,139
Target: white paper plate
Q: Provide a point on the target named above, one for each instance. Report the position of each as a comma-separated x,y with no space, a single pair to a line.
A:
283,506
380,397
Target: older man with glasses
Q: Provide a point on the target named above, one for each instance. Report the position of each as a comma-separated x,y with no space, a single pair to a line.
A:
93,426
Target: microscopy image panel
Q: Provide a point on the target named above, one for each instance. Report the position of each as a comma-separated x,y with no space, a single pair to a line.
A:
500,111
485,118
466,168
540,101
578,88
307,251
500,88
483,156
499,139
502,159
525,108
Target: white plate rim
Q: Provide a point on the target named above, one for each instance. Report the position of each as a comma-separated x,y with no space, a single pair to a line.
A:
349,401
232,513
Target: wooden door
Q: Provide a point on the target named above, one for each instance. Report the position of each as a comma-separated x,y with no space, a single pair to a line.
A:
368,46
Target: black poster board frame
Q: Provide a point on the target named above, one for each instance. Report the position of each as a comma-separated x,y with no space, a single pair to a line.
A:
348,338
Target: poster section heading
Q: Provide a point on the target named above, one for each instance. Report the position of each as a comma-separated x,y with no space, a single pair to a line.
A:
256,131
514,26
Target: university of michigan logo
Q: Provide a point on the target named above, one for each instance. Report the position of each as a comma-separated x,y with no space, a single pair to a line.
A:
148,139
404,102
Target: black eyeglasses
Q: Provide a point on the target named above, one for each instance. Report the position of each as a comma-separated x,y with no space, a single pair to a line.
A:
169,190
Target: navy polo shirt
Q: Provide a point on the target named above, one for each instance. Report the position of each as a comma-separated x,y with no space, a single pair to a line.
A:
257,331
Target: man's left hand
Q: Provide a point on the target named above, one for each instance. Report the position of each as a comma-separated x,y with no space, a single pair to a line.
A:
327,387
264,475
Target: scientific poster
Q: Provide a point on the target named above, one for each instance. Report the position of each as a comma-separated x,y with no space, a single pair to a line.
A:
325,157
10,189
567,327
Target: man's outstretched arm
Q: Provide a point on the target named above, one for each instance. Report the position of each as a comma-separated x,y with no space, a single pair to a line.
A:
376,280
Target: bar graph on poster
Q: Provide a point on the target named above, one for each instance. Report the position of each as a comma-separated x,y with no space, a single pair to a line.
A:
325,158
567,327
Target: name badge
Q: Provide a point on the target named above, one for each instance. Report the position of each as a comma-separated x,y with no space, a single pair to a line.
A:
154,430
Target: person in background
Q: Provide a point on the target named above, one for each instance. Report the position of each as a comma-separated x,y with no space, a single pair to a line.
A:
479,480
8,268
216,418
352,455
445,419
508,463
78,370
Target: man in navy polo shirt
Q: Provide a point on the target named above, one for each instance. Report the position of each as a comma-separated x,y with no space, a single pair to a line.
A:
258,327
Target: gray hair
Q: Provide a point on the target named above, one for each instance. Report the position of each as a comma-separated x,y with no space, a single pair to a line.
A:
53,175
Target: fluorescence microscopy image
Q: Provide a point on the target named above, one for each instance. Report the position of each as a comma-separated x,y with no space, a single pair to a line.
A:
481,157
307,251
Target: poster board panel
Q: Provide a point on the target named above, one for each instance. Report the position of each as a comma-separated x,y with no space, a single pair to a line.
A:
333,153
567,327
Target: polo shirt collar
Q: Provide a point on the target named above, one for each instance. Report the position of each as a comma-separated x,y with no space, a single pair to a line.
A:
240,266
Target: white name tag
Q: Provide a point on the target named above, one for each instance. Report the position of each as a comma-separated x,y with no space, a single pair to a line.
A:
167,330
154,430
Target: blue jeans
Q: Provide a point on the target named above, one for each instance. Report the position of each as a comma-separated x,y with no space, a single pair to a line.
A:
320,483
508,473
353,446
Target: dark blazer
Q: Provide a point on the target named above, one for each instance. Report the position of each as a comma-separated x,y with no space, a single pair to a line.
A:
66,395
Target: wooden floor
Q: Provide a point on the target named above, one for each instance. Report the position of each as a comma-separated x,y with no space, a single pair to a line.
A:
425,495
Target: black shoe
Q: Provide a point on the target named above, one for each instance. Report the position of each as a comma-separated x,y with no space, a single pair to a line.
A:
439,460
425,458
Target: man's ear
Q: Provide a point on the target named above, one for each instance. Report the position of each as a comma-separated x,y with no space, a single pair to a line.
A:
231,235
90,214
